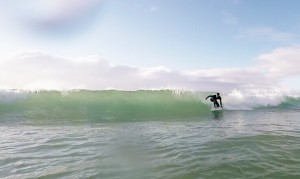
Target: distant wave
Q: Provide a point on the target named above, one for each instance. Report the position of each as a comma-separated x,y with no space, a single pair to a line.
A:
114,105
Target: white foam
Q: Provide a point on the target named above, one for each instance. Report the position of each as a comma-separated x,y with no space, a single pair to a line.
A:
247,100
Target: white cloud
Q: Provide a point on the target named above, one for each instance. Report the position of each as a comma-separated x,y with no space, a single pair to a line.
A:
37,70
265,33
282,62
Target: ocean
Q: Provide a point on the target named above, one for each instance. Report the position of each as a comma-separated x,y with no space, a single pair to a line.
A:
167,134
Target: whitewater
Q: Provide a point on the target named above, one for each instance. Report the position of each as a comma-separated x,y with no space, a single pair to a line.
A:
148,134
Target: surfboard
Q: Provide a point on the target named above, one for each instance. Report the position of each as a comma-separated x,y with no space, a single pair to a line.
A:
217,112
218,109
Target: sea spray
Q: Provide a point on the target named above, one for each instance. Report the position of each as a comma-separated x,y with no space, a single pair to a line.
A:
250,100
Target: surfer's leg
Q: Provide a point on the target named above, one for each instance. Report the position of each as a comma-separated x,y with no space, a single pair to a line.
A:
216,104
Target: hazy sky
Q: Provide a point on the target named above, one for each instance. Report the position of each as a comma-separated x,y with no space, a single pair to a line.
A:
208,45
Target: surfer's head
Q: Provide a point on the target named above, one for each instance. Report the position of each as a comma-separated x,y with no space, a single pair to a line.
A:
218,94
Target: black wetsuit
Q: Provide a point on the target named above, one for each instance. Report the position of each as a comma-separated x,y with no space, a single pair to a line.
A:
213,98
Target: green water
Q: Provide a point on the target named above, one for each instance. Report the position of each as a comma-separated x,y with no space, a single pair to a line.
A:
242,144
103,106
55,135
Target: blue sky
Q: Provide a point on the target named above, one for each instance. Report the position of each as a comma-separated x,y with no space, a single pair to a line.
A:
178,36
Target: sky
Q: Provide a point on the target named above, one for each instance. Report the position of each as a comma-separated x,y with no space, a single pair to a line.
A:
203,45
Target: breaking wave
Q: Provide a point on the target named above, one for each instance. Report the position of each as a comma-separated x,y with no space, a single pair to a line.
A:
115,106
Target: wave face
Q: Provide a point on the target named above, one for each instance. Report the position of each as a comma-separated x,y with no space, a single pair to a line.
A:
118,106
109,105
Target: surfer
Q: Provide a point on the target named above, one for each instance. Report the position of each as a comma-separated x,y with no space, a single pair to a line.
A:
214,98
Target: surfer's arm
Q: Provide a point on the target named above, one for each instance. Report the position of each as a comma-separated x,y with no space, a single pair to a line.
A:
221,102
208,97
